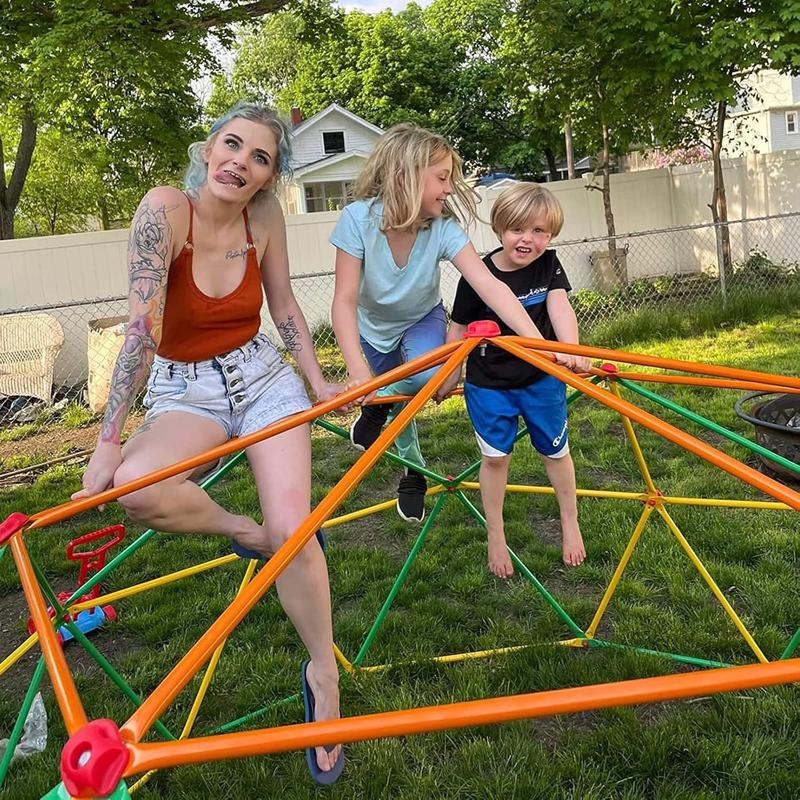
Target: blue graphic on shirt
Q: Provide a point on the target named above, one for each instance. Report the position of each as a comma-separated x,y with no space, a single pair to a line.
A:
533,297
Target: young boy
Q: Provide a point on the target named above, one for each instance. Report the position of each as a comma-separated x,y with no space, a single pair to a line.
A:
499,387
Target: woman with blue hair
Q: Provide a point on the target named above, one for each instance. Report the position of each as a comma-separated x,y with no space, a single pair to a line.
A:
200,263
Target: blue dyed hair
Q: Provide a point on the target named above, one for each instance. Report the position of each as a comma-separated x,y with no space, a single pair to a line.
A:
197,172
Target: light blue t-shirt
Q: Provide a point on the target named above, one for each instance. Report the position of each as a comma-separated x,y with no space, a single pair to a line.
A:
391,299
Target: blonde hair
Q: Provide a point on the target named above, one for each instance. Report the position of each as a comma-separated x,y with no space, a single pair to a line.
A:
394,174
523,202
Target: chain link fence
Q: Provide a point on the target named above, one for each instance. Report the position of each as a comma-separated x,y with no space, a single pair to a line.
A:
57,359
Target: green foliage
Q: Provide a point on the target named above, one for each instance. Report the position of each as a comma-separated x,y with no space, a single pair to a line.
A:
115,78
437,67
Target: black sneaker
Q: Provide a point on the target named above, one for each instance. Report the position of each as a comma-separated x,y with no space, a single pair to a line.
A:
367,428
411,496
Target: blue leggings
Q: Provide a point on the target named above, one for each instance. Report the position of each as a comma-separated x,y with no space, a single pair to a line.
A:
423,336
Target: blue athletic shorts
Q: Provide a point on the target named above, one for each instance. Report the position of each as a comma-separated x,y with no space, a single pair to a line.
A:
495,416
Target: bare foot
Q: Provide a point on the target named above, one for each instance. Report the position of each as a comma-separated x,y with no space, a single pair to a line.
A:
499,560
326,706
574,552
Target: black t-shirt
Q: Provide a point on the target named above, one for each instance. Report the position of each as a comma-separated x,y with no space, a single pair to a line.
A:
495,368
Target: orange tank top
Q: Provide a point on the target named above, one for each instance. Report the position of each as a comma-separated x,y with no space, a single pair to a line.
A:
197,327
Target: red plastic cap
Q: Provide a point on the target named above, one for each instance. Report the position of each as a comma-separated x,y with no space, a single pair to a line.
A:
482,329
609,367
94,760
11,524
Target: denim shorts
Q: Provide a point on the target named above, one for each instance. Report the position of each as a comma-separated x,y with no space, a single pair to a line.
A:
242,391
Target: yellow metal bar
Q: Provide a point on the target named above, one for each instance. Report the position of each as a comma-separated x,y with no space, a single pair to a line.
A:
347,665
205,683
723,503
365,512
600,493
615,578
634,442
712,584
137,588
17,654
449,659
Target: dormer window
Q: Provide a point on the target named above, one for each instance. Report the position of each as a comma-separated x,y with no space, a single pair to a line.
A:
332,142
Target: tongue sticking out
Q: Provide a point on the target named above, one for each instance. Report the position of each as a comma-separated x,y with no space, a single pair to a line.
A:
228,178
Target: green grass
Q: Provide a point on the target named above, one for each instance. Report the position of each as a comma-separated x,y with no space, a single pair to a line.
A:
736,746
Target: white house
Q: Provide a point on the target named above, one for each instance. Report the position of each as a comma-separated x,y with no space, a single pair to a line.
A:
329,151
772,120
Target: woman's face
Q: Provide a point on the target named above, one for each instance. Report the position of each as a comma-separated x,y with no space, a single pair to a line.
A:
242,160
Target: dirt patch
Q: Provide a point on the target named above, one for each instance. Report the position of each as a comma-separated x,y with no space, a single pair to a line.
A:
110,640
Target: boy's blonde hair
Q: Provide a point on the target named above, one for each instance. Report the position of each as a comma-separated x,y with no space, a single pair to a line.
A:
520,204
394,175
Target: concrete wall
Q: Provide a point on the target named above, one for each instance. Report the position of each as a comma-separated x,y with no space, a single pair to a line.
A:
76,270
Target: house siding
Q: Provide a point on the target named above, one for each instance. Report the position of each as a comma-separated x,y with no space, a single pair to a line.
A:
780,139
308,144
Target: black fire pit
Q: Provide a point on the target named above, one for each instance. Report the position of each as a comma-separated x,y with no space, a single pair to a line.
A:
777,424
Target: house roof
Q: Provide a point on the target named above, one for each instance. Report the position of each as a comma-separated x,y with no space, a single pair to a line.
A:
329,110
328,161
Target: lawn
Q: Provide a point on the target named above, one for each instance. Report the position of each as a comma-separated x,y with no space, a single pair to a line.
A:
733,746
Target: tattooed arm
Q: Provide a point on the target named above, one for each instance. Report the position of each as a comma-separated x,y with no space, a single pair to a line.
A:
283,306
150,247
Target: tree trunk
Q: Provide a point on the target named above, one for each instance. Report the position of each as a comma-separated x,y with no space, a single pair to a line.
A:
105,222
719,203
10,194
568,143
552,167
617,263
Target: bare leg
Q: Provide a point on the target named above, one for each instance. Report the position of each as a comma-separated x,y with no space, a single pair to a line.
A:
176,504
282,470
561,473
493,479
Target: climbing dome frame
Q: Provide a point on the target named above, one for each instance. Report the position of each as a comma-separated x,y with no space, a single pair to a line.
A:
99,755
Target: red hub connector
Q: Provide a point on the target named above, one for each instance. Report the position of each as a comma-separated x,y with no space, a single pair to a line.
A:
482,329
93,761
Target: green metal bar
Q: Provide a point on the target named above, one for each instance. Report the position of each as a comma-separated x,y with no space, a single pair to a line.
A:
81,638
712,426
60,793
237,723
399,580
698,662
792,646
554,604
339,431
19,725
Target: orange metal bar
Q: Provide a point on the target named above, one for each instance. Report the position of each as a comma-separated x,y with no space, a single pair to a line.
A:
652,361
63,686
70,509
719,383
673,434
141,720
460,715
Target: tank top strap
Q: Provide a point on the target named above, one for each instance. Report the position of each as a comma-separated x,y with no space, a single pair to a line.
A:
191,220
250,244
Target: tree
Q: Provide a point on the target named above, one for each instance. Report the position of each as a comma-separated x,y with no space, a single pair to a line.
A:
102,71
583,59
707,53
438,67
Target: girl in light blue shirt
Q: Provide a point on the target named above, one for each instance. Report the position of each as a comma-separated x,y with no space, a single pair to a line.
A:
387,306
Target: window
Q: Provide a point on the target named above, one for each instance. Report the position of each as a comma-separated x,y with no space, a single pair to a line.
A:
333,142
791,122
328,196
